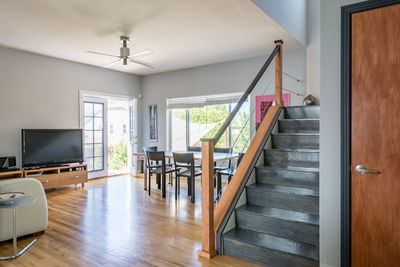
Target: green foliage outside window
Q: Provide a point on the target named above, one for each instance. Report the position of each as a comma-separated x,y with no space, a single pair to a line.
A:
217,114
119,156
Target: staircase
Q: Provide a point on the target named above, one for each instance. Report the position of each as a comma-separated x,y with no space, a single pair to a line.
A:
279,224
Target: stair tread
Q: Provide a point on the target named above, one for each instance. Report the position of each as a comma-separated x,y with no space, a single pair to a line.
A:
305,150
286,189
287,168
273,242
282,214
297,165
288,182
296,134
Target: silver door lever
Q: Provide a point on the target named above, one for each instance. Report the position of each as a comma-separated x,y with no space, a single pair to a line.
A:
362,170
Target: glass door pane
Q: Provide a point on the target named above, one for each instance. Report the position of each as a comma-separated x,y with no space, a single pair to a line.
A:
94,135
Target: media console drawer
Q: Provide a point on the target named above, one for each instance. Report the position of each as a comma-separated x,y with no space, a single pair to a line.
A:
74,177
48,180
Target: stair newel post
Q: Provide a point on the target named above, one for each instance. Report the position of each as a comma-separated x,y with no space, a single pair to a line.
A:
207,194
278,74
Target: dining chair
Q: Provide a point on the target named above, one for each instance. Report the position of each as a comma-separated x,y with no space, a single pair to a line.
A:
185,167
160,170
149,164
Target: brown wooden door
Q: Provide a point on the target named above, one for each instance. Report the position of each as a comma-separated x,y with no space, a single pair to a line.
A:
375,137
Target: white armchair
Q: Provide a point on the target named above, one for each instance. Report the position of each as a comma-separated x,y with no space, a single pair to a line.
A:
30,219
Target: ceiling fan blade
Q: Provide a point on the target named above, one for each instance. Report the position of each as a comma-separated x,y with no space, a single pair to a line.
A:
141,63
103,54
142,53
112,63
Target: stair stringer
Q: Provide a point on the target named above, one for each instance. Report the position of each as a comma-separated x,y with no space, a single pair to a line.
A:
229,221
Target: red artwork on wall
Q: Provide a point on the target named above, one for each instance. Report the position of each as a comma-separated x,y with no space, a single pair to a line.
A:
264,102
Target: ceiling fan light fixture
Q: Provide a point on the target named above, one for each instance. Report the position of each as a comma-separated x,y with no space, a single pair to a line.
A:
125,61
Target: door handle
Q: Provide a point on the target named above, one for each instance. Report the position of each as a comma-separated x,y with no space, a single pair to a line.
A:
361,169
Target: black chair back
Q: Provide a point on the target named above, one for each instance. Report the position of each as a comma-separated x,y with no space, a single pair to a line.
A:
156,155
185,158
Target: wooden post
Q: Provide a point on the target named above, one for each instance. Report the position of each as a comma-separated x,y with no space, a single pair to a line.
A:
278,74
207,195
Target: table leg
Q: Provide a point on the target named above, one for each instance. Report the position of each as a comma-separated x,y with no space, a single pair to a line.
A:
15,250
15,232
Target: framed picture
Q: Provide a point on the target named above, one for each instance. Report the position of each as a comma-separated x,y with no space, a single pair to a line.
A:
264,102
153,123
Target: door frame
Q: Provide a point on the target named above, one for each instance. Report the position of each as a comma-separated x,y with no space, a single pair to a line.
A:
106,96
345,121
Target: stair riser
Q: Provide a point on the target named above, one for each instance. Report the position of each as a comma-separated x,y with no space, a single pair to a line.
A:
269,225
279,157
264,256
306,179
295,141
293,202
298,126
302,112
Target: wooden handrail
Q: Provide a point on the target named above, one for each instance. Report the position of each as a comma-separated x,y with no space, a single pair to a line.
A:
233,187
228,121
213,218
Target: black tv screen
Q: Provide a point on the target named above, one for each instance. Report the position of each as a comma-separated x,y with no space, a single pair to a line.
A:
51,147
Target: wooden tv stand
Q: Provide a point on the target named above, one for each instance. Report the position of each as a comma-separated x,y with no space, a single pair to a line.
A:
54,177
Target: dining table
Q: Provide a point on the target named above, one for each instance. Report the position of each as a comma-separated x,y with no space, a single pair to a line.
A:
197,155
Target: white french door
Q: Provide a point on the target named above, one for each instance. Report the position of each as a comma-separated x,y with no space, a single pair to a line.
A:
94,125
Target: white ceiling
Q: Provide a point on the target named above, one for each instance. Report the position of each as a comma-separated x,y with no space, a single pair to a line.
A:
181,33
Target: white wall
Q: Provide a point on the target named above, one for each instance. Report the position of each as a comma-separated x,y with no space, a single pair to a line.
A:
43,92
228,77
330,132
289,14
313,47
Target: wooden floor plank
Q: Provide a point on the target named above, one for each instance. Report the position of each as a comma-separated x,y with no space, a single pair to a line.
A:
113,222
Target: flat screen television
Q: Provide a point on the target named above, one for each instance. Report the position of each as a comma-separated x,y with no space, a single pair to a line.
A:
51,147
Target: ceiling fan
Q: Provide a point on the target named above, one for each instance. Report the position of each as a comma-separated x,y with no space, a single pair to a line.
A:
125,55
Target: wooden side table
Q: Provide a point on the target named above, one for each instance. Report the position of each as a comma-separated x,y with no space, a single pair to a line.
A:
14,204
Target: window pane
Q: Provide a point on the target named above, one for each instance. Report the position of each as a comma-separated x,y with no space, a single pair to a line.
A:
98,110
98,163
88,137
205,122
98,136
88,150
88,109
88,123
98,150
178,129
89,162
98,123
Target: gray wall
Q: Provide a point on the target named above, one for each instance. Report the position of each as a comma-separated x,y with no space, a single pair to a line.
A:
330,132
289,14
43,92
313,47
228,77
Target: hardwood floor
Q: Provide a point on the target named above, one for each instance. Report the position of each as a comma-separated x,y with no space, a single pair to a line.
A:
113,222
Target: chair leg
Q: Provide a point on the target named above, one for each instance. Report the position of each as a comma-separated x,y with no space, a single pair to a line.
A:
158,181
164,186
189,186
149,178
192,184
219,182
176,187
